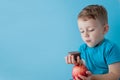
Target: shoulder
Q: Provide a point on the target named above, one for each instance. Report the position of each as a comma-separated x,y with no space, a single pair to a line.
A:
112,52
111,45
108,45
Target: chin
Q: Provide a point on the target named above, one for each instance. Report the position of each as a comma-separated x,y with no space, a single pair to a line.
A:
90,45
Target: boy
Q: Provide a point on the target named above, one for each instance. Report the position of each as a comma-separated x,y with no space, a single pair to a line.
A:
101,56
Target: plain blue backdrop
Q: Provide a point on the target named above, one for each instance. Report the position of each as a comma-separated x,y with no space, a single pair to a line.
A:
35,36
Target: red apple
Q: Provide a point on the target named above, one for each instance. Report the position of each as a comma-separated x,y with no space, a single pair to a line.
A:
79,70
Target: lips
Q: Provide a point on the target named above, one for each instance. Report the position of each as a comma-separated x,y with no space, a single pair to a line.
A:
88,41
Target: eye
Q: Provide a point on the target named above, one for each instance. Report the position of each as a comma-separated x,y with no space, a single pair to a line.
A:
81,31
90,30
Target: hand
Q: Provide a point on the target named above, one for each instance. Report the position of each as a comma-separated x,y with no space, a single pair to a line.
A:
84,77
70,60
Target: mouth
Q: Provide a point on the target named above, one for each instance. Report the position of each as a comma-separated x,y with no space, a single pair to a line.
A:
88,41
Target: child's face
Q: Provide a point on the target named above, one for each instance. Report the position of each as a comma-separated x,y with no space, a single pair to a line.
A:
92,31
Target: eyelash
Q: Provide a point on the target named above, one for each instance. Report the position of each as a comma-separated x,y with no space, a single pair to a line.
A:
88,31
91,30
81,31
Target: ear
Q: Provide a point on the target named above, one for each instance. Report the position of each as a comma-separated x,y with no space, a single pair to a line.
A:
106,28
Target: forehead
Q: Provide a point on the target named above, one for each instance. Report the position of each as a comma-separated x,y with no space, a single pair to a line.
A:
88,23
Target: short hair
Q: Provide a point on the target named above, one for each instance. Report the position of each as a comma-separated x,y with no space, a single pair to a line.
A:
94,12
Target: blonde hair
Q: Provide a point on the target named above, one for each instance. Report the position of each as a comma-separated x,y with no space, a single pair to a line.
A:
94,12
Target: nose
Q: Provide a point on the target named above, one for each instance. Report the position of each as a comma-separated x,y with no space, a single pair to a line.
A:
86,34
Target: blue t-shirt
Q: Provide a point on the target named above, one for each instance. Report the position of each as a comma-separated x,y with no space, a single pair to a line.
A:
99,57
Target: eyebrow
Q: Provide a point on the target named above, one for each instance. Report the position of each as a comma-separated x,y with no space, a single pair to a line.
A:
90,27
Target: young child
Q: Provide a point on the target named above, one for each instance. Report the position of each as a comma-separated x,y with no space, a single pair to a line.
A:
101,56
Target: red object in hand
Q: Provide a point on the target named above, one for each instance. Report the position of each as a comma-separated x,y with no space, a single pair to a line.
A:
79,70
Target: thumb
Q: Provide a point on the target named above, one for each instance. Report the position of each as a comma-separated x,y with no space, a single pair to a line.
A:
88,73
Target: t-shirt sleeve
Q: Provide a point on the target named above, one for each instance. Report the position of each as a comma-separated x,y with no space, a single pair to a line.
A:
113,55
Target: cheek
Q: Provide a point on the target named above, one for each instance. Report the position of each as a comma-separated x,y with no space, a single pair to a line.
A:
82,36
96,35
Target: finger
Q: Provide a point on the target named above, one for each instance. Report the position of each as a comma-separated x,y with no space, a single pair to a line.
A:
69,59
76,78
72,59
82,77
88,73
79,61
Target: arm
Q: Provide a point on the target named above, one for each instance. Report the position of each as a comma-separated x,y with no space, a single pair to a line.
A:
114,73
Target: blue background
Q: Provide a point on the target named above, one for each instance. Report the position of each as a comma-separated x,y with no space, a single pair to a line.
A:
35,36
